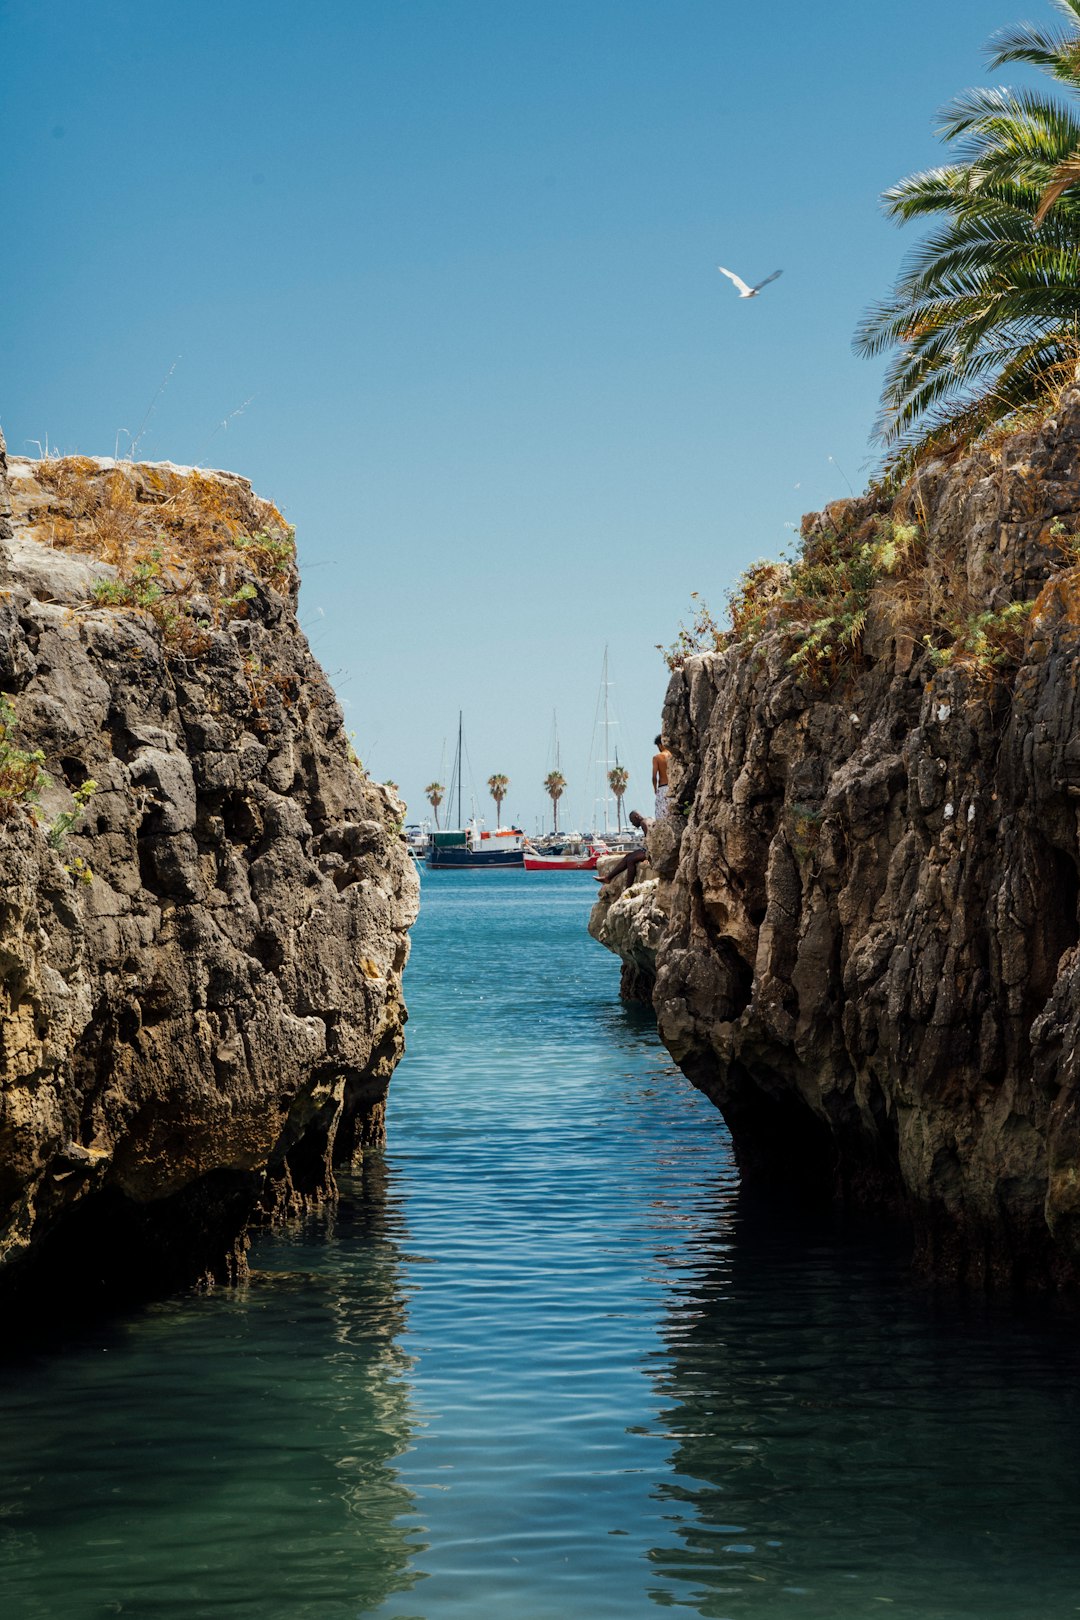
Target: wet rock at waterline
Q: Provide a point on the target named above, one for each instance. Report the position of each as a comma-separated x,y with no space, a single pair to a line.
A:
869,950
201,952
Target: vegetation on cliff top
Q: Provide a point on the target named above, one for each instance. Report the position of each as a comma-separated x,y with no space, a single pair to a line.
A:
859,565
186,545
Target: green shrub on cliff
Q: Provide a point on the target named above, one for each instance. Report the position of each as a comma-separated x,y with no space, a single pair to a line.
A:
68,819
22,774
273,554
837,580
142,585
985,643
820,601
702,634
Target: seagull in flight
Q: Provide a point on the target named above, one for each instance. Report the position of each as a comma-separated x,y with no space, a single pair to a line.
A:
744,290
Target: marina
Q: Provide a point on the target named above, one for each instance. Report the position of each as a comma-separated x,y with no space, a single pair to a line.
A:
473,846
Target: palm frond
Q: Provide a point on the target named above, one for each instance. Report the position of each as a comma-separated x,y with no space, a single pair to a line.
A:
1065,175
985,311
990,119
1055,53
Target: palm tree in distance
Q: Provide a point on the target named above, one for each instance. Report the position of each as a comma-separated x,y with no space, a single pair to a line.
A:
618,777
434,795
554,783
985,315
497,786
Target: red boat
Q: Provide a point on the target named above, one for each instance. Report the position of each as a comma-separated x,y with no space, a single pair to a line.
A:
582,858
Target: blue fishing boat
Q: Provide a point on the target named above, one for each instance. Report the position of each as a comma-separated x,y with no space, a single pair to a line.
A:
468,844
476,846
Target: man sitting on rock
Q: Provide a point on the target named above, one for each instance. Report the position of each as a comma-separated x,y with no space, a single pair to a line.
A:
633,857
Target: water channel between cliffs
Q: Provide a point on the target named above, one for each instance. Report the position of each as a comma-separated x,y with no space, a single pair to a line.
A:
541,1364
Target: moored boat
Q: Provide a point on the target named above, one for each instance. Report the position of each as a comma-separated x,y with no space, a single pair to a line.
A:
468,844
573,858
474,846
417,839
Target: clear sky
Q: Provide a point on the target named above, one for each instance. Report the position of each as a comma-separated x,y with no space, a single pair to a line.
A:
440,277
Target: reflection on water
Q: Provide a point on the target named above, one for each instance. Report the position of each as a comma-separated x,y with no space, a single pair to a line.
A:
232,1454
843,1442
544,1365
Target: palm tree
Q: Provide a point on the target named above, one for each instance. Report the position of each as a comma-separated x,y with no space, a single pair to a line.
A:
1058,55
434,795
554,783
618,777
497,786
985,315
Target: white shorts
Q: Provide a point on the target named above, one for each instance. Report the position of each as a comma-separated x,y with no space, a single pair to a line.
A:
661,803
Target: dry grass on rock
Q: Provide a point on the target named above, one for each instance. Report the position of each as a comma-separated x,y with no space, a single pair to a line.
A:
190,548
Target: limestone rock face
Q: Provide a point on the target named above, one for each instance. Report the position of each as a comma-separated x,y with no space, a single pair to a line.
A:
628,919
200,981
870,953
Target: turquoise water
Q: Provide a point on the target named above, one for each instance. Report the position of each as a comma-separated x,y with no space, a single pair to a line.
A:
543,1364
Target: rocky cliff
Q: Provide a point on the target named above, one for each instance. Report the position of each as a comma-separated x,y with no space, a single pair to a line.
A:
204,902
863,936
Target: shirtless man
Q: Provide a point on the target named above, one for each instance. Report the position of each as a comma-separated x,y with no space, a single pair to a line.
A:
634,857
661,762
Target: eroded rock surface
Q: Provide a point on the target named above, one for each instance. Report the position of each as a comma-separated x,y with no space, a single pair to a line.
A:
869,958
200,985
629,919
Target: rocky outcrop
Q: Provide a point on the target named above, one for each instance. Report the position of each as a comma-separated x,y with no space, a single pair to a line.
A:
869,957
629,920
201,952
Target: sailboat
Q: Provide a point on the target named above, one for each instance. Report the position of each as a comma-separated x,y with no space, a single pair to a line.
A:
600,764
572,853
469,845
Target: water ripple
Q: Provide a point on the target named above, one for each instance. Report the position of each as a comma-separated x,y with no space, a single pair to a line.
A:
543,1363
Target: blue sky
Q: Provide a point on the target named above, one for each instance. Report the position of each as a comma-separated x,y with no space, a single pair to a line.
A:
440,277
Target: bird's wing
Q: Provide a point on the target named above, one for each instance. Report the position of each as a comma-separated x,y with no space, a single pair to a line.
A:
738,280
765,283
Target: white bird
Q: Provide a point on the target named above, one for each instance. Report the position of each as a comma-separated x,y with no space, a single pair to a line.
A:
744,290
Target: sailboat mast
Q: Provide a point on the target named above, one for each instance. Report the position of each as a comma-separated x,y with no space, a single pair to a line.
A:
607,742
459,820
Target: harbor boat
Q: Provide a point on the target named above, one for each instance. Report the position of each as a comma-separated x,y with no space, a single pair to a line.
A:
468,844
575,857
474,846
417,839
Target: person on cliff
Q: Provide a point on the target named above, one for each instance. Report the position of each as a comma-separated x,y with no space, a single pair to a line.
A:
633,857
661,764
